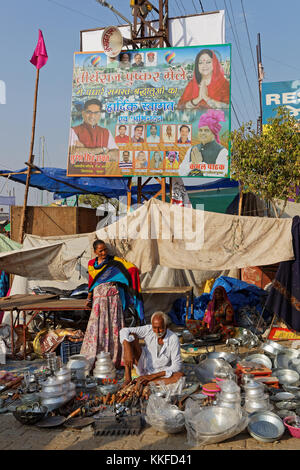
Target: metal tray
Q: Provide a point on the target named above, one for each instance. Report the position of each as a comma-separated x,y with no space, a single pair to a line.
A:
284,413
283,396
265,426
286,376
260,359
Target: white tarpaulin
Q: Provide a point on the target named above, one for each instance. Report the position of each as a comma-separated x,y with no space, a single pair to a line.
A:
45,262
183,238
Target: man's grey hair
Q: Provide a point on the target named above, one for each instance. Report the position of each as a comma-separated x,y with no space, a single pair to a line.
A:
163,315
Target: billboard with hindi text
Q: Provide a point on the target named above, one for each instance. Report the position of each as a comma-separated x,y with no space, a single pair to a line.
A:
151,112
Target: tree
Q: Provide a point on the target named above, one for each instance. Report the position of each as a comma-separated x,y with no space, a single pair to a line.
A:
268,164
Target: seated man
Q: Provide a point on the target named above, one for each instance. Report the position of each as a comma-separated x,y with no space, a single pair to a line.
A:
159,359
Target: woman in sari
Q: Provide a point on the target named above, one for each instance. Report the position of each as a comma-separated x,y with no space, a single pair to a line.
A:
114,284
219,314
208,88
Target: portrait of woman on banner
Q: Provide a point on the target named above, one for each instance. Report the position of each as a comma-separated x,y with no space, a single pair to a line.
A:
209,88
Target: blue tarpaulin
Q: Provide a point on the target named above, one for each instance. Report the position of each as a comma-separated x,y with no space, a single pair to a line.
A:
55,180
240,294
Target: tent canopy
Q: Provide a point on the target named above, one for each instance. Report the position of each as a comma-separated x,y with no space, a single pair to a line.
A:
158,233
55,180
185,238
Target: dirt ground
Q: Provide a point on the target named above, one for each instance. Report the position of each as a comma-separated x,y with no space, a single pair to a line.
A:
16,436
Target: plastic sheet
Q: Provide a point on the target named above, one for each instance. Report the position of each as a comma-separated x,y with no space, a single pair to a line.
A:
163,416
196,437
168,390
229,386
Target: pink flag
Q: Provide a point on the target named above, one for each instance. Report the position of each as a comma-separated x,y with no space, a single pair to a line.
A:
40,56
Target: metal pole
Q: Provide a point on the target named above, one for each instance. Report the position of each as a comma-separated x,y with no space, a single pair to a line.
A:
260,74
30,160
43,163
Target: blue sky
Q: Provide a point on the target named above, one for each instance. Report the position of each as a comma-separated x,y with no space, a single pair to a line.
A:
61,22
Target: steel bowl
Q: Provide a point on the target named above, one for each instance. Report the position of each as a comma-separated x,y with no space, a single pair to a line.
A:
283,396
294,364
284,413
291,388
265,426
205,371
269,350
214,420
286,376
287,405
260,359
229,357
276,346
282,360
171,421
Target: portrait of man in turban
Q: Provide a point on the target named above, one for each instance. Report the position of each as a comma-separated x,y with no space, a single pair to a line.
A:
209,150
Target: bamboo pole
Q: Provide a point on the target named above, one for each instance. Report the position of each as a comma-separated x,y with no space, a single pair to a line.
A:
30,160
129,187
240,199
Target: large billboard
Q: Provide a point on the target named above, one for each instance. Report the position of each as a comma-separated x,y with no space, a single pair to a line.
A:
191,30
151,112
276,94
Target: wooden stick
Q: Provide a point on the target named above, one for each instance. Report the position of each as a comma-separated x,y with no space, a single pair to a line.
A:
129,187
30,160
240,199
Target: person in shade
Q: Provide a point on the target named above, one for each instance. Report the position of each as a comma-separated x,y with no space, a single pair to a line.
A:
219,314
159,360
89,134
114,284
209,87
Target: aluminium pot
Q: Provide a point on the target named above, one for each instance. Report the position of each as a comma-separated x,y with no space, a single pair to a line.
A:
63,375
230,397
229,357
254,390
52,403
52,387
79,366
276,346
205,371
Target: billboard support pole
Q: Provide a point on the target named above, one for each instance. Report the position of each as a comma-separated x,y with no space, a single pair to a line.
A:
260,74
30,160
129,186
144,34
